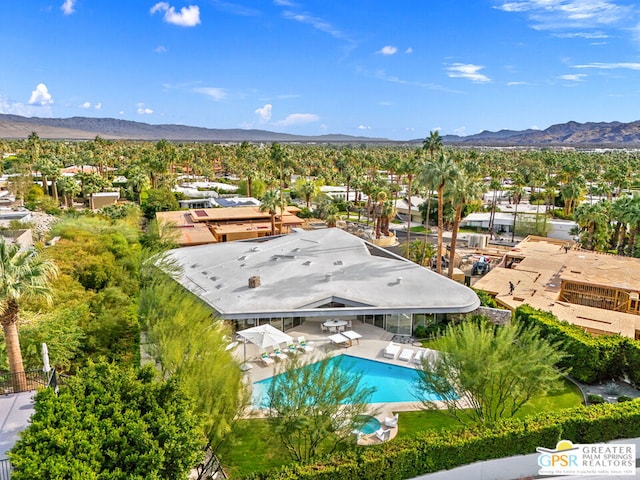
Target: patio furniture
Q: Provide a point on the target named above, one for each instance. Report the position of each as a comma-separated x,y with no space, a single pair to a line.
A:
351,335
392,350
279,356
266,360
340,339
303,345
335,323
391,422
333,329
406,355
382,434
417,359
323,328
293,350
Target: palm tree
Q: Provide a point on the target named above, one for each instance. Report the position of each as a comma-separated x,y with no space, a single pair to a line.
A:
271,201
462,191
409,166
24,274
432,143
439,172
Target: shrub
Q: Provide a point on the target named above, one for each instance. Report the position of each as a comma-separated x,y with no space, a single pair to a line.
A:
594,399
624,398
420,332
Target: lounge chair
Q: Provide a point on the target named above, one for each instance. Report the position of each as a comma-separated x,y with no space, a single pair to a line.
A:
266,360
382,434
417,359
392,350
303,345
293,350
406,355
391,422
279,356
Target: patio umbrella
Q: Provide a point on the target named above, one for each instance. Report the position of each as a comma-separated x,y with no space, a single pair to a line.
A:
46,366
264,336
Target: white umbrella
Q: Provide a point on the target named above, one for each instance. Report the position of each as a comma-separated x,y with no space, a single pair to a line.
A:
264,336
46,367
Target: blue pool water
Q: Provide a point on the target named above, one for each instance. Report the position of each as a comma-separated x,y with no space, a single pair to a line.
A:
391,382
370,425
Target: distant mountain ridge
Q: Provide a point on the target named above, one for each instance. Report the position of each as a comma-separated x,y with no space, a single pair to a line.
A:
15,126
568,134
573,134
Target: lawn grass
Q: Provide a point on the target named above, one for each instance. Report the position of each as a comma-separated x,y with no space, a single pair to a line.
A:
258,450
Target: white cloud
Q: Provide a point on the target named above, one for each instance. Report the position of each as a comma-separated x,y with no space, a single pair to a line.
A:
408,50
67,7
318,24
364,127
388,50
216,93
142,110
98,106
40,96
577,77
160,49
187,17
462,131
512,84
86,105
121,112
468,71
610,66
264,113
298,119
284,3
560,14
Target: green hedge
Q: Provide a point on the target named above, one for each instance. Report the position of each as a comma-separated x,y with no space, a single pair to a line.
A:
434,451
589,358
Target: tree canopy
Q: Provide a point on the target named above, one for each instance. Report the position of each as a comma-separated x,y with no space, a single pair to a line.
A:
109,422
485,372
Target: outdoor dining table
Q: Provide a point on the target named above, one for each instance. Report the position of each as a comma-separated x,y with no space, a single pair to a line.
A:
335,323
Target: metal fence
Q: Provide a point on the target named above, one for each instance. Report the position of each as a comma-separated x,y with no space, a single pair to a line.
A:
25,381
5,469
210,468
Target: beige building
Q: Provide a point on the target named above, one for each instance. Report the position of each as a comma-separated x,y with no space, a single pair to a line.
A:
217,225
596,291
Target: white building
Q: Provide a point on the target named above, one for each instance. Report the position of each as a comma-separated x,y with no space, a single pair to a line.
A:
321,274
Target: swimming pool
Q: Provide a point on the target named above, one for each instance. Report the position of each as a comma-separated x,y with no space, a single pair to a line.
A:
392,383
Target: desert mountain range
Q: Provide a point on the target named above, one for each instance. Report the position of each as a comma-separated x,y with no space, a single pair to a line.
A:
86,128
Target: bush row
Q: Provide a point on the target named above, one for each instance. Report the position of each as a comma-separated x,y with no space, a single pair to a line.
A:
435,451
589,358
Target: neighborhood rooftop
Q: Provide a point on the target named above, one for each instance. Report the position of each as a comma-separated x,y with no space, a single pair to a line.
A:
305,270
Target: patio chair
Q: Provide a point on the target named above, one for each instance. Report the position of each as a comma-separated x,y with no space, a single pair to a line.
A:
417,359
333,329
266,360
392,350
391,422
279,356
382,434
323,328
349,324
406,355
303,344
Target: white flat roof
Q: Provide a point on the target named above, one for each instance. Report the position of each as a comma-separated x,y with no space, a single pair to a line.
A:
304,270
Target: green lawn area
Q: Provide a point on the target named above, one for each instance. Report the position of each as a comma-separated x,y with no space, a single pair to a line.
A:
256,448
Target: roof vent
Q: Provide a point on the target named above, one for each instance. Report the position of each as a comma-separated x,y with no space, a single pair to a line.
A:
338,262
399,280
242,257
254,281
308,262
255,249
328,277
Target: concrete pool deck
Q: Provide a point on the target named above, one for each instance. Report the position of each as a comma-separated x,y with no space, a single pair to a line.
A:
370,347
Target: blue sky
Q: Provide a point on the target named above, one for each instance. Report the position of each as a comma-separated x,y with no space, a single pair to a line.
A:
392,69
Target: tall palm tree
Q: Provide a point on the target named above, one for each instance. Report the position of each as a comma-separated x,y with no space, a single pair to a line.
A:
409,166
271,201
24,274
433,143
463,190
439,172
